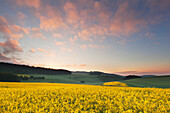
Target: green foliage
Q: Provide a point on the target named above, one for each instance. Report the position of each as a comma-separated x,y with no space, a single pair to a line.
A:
7,77
25,69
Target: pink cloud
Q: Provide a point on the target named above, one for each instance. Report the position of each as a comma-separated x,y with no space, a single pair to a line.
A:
50,24
91,46
83,46
59,43
85,35
9,50
12,31
41,50
158,72
29,3
66,49
71,13
93,32
72,40
73,65
156,5
11,44
36,33
19,29
83,65
32,50
124,22
57,35
149,35
4,28
21,16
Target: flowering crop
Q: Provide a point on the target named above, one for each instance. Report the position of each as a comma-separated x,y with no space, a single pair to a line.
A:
115,84
55,98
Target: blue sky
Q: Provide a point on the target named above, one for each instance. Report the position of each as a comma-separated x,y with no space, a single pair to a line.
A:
115,36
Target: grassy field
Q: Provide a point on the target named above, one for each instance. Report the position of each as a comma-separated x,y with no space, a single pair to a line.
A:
156,81
75,98
74,78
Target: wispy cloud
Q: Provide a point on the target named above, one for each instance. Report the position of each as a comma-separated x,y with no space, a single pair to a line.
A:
12,31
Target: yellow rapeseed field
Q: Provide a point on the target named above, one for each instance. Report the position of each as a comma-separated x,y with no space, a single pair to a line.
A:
72,98
115,84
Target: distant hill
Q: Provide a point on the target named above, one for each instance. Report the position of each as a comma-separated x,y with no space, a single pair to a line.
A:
154,81
80,72
94,73
25,69
147,75
96,76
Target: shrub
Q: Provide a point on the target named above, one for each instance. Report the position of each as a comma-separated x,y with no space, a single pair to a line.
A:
82,81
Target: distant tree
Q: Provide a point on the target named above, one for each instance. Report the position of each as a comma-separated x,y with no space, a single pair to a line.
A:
131,77
7,77
95,73
25,69
82,81
31,77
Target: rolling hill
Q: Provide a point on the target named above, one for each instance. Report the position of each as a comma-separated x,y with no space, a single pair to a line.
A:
154,81
57,76
25,69
39,74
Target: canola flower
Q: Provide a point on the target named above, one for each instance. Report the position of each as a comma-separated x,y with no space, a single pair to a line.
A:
115,84
73,98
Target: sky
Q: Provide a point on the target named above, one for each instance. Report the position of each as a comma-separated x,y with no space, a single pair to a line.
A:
113,36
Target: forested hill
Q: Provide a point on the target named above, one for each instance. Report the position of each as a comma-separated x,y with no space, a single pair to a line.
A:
25,69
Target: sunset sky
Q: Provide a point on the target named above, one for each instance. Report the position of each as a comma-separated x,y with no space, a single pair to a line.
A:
115,36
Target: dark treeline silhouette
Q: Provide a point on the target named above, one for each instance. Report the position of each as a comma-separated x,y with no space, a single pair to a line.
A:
95,73
30,77
7,77
131,77
25,69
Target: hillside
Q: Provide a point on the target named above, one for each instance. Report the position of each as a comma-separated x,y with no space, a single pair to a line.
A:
25,69
155,81
6,77
74,78
38,74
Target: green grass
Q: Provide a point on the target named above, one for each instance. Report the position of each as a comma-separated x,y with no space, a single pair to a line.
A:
156,81
74,78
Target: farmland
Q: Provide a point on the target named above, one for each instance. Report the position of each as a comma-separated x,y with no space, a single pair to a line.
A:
156,81
57,97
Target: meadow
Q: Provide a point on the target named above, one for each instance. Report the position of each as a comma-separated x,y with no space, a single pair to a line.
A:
58,97
156,81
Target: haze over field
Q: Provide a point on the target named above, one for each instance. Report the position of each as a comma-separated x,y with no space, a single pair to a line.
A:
114,36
